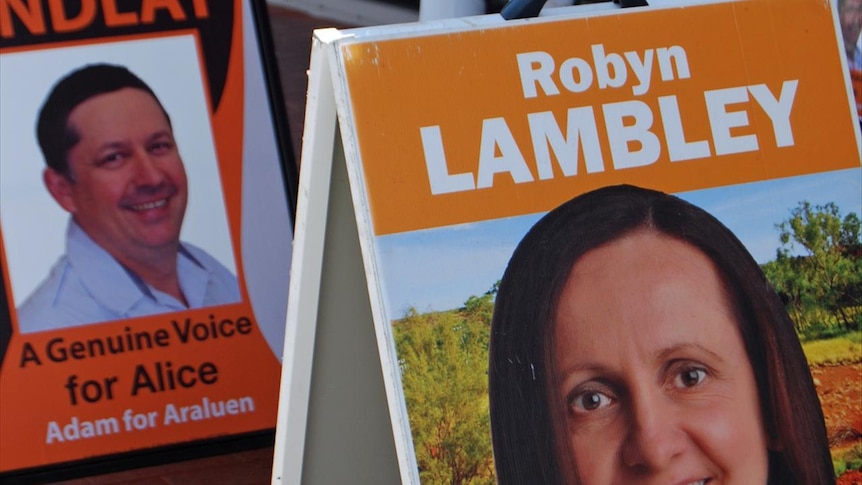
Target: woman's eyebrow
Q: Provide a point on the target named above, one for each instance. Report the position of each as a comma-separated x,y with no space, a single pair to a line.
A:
585,367
668,351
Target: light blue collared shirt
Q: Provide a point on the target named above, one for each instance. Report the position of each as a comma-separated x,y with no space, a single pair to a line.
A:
87,285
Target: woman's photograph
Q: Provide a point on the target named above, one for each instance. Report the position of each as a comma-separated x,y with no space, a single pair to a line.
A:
635,340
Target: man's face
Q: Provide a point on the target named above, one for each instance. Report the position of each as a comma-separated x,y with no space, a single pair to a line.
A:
127,186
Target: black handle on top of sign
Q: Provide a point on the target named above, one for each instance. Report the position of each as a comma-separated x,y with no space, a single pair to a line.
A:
631,3
521,9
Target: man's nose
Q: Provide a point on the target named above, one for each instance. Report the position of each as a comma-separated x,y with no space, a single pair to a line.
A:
655,435
148,170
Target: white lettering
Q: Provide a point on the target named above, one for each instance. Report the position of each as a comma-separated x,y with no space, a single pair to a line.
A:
171,415
632,145
567,75
496,134
642,69
678,148
580,130
536,68
54,433
435,162
628,128
207,409
77,429
603,62
677,55
778,110
722,121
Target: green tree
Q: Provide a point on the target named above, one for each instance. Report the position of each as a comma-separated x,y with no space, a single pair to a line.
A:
818,268
480,309
792,284
444,365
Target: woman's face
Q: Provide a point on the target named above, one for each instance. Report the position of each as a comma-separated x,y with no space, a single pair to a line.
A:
652,376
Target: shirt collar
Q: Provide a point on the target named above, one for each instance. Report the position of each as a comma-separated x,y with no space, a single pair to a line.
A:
116,287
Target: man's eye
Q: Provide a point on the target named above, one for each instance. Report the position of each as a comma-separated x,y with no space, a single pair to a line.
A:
690,377
110,159
161,147
590,401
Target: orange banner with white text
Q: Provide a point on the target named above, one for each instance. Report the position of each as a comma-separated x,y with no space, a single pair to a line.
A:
489,123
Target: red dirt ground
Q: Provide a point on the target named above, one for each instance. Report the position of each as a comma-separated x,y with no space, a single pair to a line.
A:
850,478
840,391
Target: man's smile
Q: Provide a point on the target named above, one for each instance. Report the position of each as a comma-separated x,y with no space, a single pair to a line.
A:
149,205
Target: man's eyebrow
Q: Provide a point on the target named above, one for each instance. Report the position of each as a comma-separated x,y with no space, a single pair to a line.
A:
112,145
160,134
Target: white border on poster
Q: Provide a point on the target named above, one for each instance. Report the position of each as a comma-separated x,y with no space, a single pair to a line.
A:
265,259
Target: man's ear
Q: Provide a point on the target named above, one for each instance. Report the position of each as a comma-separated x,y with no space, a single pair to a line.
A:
60,188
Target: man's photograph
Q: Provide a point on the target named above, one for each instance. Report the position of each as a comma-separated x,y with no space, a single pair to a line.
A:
112,205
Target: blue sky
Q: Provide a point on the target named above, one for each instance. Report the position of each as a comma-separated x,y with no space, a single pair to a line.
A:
438,269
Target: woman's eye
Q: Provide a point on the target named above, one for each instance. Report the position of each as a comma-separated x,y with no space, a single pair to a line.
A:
690,377
590,401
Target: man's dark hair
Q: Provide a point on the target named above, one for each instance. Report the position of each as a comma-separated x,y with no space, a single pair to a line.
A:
527,445
53,132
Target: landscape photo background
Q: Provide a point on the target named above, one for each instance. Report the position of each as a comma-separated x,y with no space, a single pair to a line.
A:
439,287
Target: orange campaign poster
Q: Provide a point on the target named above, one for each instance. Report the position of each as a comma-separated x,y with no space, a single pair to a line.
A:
145,228
461,136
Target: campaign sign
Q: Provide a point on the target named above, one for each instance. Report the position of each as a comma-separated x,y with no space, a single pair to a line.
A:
145,227
458,136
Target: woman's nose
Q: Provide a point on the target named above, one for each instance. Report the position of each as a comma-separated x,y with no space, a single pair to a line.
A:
655,435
